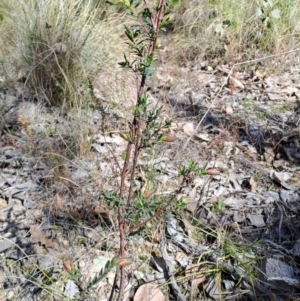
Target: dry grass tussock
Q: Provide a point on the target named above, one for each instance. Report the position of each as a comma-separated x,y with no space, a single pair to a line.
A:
59,47
66,54
234,30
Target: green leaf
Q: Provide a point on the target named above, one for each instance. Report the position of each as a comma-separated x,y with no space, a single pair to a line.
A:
275,13
137,3
129,33
192,165
126,3
164,23
112,199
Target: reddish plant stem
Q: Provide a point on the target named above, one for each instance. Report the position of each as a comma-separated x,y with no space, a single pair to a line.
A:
121,221
137,126
136,135
124,170
136,121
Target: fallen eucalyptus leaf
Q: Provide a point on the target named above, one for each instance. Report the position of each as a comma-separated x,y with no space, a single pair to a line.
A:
149,292
188,128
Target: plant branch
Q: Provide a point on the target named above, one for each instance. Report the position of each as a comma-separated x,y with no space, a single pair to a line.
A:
164,208
149,31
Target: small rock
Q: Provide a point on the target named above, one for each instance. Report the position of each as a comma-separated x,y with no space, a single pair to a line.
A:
238,217
79,174
288,196
71,289
160,278
274,97
65,243
296,248
18,208
46,262
271,197
11,153
278,273
256,220
6,244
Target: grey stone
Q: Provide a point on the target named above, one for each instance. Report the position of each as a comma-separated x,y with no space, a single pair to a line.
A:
29,204
289,196
29,185
296,248
271,196
10,181
79,174
71,289
274,97
238,216
256,220
278,274
6,244
18,208
46,262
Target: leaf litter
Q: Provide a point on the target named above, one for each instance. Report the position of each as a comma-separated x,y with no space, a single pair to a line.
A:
249,143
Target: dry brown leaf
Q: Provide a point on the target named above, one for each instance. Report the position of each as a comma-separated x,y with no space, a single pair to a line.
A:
197,274
149,292
260,75
212,172
179,256
147,194
188,227
59,48
37,236
269,154
237,83
58,202
103,212
191,205
168,138
67,265
253,184
212,200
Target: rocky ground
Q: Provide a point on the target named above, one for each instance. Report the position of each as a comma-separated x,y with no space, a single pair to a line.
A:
242,124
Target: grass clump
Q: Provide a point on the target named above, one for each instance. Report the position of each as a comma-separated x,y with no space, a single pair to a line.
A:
235,30
60,46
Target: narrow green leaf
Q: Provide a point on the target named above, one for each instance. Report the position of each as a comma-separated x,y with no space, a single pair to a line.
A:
137,3
129,33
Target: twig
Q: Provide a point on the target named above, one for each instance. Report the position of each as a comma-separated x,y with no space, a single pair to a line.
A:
135,138
169,269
